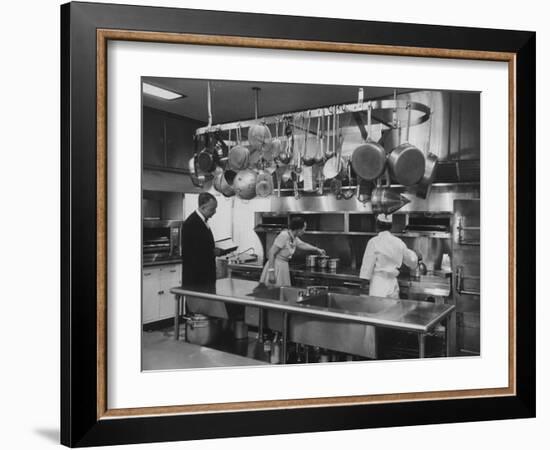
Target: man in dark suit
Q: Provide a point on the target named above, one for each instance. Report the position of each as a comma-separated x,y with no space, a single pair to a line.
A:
198,249
199,262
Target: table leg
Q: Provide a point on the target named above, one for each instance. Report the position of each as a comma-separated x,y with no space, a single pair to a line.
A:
260,325
422,345
285,337
177,317
448,336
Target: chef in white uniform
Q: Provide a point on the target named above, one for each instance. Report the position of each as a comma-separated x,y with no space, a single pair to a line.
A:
384,255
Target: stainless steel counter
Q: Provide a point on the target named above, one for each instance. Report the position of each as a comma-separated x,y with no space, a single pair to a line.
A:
161,262
407,315
429,285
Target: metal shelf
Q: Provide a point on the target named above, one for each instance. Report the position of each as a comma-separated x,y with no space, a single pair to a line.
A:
437,235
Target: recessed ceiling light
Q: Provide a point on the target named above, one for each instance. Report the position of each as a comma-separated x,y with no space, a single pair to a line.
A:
156,91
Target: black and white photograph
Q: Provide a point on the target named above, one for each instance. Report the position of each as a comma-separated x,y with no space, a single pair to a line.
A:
288,223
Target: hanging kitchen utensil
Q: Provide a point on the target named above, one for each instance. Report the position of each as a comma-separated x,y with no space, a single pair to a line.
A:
319,157
307,160
238,155
244,184
286,155
255,159
221,150
198,178
333,165
278,175
320,183
329,151
424,186
369,159
258,136
258,133
223,182
406,162
207,158
364,190
384,200
348,192
264,183
336,187
276,143
297,194
298,154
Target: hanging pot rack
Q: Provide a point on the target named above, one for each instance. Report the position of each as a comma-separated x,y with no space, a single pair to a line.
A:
383,111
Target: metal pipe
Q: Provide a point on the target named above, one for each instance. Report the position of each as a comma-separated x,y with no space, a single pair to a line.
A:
209,101
256,101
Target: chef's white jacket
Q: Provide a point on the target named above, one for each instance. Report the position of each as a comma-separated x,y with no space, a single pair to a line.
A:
384,254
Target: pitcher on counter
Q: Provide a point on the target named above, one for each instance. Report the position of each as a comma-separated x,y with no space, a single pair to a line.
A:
276,271
384,255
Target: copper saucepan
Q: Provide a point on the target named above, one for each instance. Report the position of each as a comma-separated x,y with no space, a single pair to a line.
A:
406,162
244,184
369,159
239,155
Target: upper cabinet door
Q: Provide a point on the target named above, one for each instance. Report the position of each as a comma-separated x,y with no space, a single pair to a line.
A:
154,153
179,141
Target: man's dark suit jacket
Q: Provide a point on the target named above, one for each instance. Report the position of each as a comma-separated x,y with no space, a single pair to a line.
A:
198,259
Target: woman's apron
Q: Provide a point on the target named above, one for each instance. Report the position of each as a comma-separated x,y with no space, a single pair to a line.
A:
282,270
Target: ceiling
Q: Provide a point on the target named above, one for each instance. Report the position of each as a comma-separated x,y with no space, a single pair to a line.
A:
234,100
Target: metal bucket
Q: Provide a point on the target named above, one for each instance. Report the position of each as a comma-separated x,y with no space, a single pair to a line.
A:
201,329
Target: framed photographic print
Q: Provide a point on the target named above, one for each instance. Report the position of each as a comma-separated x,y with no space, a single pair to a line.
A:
279,224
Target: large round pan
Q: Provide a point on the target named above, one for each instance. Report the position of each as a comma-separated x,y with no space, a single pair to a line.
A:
406,162
245,184
223,182
369,159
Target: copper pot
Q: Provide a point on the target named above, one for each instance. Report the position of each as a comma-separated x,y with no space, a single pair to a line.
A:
223,183
322,261
406,163
244,184
369,159
332,263
311,260
258,136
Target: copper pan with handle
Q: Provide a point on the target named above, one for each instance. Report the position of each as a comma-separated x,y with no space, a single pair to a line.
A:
368,159
406,162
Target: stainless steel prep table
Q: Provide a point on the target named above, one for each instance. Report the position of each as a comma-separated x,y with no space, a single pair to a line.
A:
429,285
406,315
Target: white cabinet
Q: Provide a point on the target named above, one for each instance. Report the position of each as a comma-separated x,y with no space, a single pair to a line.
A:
157,301
170,277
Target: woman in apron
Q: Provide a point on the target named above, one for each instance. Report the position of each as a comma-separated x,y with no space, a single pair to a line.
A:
276,271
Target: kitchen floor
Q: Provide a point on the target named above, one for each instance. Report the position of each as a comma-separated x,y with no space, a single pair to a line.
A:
162,352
